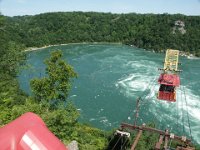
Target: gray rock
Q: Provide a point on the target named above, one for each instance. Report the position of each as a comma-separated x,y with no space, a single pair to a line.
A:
73,145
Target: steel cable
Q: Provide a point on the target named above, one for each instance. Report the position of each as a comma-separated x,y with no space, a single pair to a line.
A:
188,119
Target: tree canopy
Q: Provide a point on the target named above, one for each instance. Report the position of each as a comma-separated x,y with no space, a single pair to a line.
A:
56,84
150,31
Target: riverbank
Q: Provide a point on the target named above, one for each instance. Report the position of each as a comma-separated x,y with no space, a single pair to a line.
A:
46,46
182,53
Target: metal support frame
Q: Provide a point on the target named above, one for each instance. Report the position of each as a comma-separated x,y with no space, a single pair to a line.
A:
161,132
166,139
164,135
159,143
171,60
137,138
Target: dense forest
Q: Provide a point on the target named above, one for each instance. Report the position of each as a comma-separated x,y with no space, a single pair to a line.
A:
149,31
50,100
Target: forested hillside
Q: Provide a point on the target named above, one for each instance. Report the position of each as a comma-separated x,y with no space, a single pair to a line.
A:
61,119
149,31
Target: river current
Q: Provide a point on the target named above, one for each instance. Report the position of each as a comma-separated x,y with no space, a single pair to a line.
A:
110,79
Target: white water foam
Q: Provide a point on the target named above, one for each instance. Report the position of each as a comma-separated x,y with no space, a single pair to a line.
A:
73,96
139,81
134,82
92,119
105,121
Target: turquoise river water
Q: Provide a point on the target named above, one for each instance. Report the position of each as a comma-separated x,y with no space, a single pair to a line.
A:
111,77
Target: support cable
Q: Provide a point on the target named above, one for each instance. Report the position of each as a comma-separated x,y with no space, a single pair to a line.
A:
182,112
177,115
116,143
124,144
188,118
110,140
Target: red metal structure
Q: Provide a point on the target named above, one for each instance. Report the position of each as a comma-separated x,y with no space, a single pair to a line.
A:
28,132
168,84
169,79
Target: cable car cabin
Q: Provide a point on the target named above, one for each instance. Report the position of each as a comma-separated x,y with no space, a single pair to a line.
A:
168,84
169,79
167,92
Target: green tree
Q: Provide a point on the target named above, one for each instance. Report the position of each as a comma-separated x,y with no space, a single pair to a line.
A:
11,58
57,83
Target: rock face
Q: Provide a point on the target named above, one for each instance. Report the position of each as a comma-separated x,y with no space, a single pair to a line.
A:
179,23
179,26
73,145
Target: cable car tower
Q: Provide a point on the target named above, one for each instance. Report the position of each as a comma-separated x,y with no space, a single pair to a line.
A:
169,80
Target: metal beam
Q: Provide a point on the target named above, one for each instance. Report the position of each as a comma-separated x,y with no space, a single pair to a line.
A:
184,148
159,143
136,140
166,139
161,132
